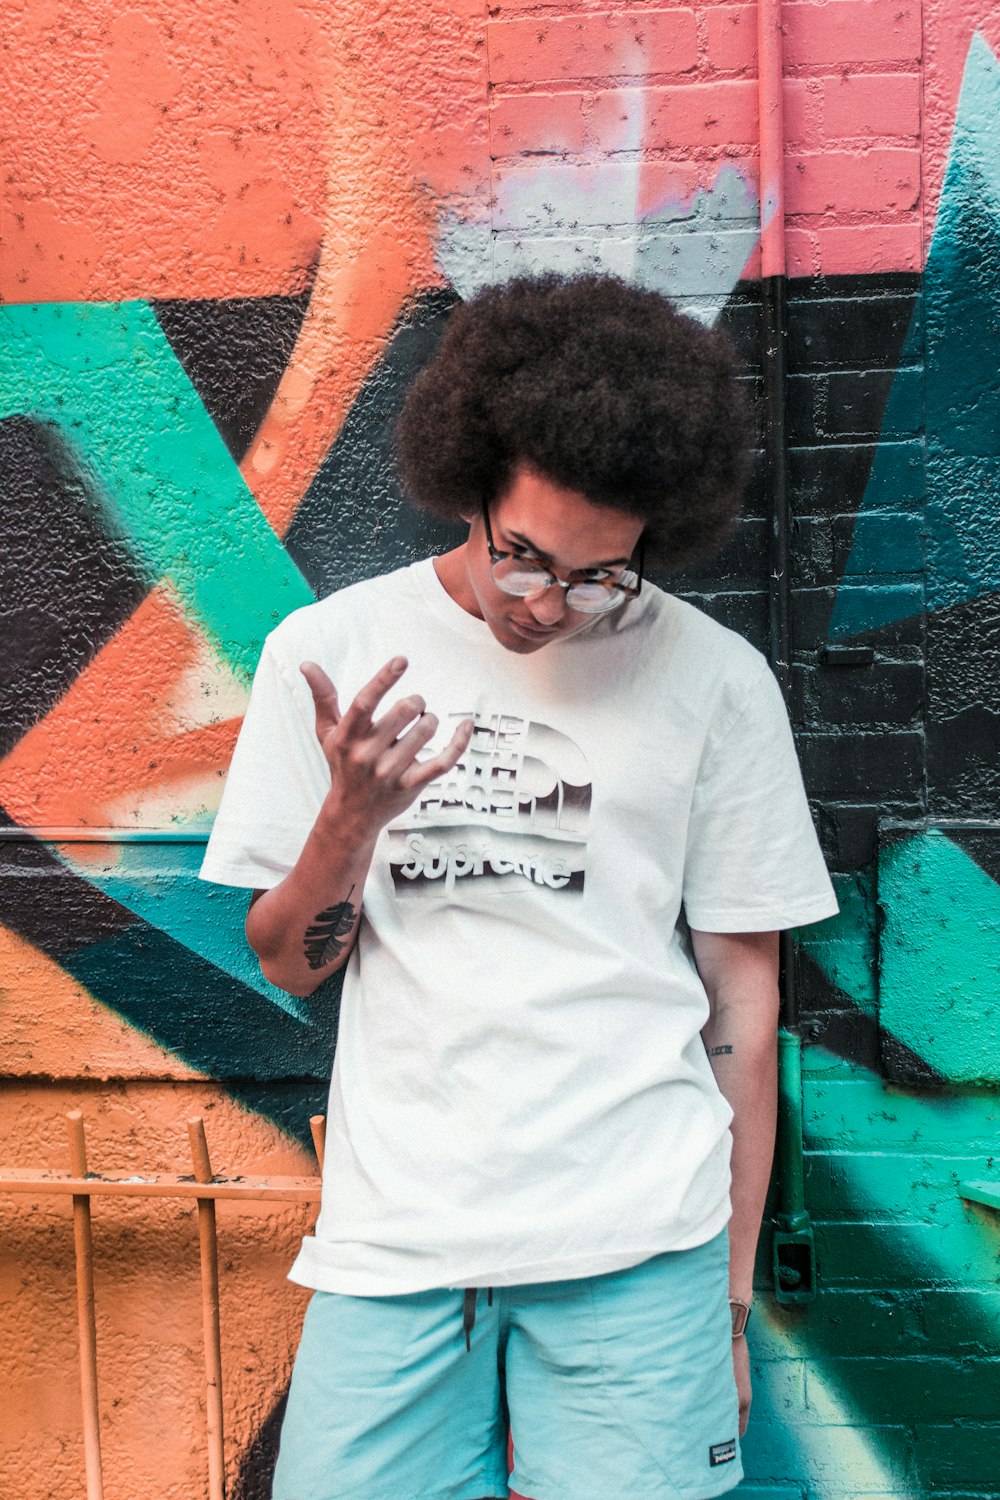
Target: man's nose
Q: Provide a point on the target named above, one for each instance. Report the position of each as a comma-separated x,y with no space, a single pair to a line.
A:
548,605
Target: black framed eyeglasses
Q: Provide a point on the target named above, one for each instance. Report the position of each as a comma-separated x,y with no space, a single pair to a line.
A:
520,575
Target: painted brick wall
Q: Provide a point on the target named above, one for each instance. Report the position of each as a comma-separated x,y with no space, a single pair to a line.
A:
232,238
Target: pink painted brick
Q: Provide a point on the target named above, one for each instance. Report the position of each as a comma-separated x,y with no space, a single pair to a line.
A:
861,249
724,112
815,35
830,182
537,122
843,31
802,104
801,253
851,249
693,114
866,104
595,45
731,35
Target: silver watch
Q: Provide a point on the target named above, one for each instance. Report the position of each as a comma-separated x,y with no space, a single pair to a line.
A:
740,1313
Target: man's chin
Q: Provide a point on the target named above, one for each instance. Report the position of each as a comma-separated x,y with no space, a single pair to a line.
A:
522,640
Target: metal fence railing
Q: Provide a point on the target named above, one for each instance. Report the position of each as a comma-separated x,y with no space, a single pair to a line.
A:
207,1188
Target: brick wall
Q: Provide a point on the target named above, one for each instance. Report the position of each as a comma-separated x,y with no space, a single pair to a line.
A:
234,240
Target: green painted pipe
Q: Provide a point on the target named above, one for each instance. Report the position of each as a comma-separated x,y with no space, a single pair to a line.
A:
793,1245
791,1178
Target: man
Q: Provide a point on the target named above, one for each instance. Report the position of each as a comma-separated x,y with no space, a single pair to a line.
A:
556,868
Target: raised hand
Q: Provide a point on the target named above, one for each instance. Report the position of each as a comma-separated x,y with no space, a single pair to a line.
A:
374,770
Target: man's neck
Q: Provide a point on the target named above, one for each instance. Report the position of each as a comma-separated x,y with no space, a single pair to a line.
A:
453,575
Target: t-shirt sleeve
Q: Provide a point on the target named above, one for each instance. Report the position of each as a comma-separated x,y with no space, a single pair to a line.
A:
753,862
275,785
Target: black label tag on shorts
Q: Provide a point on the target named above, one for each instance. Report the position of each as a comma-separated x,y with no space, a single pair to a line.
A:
722,1453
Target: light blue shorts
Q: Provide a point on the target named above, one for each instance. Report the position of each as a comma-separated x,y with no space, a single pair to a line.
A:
614,1385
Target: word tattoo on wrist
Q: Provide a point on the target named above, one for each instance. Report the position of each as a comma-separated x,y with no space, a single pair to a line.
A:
724,1051
328,936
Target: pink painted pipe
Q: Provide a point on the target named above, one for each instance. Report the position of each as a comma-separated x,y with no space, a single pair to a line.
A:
772,138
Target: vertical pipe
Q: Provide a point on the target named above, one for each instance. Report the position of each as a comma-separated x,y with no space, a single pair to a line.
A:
773,271
208,1242
83,1245
792,1211
794,1215
770,99
774,338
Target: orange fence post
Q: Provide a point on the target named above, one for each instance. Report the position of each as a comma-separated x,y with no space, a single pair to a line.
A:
208,1242
317,1125
83,1246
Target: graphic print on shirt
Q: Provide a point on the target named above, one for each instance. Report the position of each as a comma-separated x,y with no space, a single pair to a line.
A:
512,813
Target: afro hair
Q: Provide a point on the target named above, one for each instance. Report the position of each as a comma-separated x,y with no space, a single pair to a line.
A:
600,386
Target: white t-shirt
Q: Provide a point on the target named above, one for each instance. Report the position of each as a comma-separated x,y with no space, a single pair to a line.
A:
520,1091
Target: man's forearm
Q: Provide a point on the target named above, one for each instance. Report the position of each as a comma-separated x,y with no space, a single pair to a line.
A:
744,1059
303,929
740,974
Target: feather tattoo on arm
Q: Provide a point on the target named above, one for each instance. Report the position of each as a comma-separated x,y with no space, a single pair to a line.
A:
328,936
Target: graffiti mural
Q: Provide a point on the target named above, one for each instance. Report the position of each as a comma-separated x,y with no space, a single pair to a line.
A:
250,240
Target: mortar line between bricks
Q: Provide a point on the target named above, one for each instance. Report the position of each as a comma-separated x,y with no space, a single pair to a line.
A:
705,73
605,83
654,155
862,218
896,67
708,151
599,83
743,153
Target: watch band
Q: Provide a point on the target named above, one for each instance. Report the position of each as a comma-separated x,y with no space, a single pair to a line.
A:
740,1313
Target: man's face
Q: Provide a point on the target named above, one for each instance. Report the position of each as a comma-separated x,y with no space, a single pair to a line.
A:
559,528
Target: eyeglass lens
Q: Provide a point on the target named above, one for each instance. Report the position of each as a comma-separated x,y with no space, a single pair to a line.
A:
517,576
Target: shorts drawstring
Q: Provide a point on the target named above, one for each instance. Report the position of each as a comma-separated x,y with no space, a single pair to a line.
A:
469,1311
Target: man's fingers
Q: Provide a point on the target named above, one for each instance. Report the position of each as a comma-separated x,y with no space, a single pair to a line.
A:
386,731
424,771
358,717
399,758
324,696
